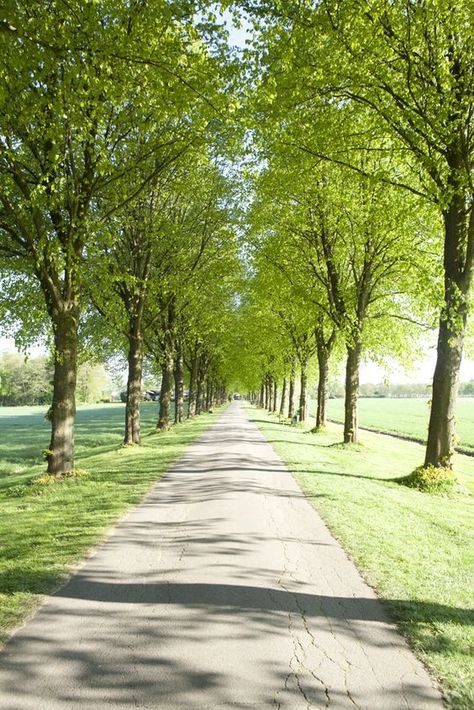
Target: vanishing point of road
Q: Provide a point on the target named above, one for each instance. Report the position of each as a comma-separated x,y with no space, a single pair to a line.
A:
222,589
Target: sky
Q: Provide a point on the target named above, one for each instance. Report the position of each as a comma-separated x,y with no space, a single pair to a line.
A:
371,372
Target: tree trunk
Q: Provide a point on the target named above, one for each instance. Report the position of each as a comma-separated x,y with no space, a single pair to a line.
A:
275,396
192,386
452,326
291,395
323,369
134,383
352,393
200,388
441,429
166,392
63,408
199,396
304,385
324,353
262,395
178,385
283,398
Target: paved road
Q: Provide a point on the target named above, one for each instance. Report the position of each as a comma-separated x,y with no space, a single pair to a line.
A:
222,589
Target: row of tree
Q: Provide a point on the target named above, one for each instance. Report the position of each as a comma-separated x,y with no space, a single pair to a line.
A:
114,212
118,212
362,224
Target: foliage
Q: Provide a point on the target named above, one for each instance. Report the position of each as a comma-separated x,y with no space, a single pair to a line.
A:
92,382
28,381
24,381
98,101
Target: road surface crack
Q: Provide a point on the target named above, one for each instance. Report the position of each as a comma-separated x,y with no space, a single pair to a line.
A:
294,631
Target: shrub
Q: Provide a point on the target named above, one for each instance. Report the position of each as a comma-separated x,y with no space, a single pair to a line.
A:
431,479
46,479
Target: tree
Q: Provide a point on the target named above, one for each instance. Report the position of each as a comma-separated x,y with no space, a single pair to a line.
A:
341,242
133,259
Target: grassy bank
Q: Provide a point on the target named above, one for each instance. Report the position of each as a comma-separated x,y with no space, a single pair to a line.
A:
415,549
407,416
43,530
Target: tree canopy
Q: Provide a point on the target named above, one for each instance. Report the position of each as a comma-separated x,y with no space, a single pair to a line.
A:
237,219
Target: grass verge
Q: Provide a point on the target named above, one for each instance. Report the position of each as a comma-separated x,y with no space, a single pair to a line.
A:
414,548
46,529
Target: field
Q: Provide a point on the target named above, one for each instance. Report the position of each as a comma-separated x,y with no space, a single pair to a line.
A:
415,549
407,416
45,529
25,433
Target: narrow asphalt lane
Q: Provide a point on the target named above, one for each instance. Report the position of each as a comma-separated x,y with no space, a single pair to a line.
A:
223,588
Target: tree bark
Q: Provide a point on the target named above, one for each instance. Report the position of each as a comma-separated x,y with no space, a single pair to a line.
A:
200,390
63,408
262,395
303,389
352,393
275,395
283,398
134,383
192,386
178,385
324,348
323,371
166,391
441,429
267,393
291,395
458,275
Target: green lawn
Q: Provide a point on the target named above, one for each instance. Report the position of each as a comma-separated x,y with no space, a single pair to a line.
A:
408,416
42,535
415,549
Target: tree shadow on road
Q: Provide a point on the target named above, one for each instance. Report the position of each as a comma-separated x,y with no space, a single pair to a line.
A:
131,654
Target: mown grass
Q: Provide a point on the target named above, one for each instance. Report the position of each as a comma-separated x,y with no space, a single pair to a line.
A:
408,416
41,536
415,549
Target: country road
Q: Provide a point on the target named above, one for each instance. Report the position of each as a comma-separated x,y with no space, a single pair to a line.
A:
223,588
